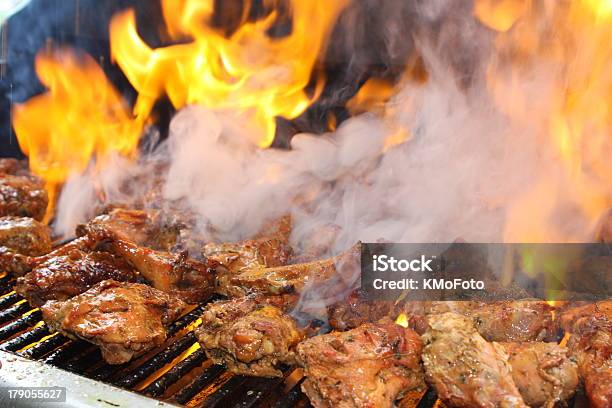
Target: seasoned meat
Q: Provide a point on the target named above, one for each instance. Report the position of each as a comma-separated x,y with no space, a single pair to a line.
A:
269,249
143,227
65,276
191,280
124,319
514,320
250,339
22,197
464,368
294,278
573,313
370,366
13,166
355,310
19,265
591,345
510,321
25,236
543,372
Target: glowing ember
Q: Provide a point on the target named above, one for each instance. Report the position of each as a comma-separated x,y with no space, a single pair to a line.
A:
251,73
402,320
500,15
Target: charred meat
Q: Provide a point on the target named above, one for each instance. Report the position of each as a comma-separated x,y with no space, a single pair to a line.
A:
18,264
25,236
270,249
65,276
249,338
465,369
591,345
124,319
294,278
543,372
191,280
370,366
356,310
21,196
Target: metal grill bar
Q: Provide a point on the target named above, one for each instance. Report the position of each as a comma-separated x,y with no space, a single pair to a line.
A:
44,347
13,312
197,385
26,338
19,325
159,386
157,361
7,300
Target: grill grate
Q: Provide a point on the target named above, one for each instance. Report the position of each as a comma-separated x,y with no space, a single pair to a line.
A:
177,372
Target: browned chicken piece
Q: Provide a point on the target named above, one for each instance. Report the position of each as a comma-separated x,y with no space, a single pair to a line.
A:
249,338
370,366
295,278
591,345
25,236
65,276
143,227
13,166
269,249
191,280
19,265
124,319
355,310
510,321
514,320
465,369
22,197
570,314
543,372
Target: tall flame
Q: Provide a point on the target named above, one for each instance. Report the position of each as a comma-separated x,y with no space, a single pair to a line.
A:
569,42
80,116
249,72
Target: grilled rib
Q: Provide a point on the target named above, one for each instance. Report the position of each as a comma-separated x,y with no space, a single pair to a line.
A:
464,368
269,249
25,236
65,276
248,337
124,319
370,366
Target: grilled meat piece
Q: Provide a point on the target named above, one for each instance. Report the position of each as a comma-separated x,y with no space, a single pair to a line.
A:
191,280
270,249
355,311
543,372
573,313
510,321
295,278
25,236
22,197
464,368
143,227
19,265
13,166
370,366
591,345
65,276
249,338
124,319
514,320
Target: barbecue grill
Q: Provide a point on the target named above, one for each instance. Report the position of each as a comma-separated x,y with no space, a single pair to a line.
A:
177,373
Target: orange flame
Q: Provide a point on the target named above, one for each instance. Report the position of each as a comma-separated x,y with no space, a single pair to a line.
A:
567,44
249,72
81,116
